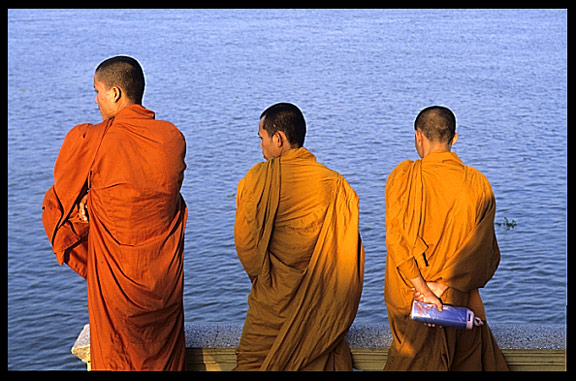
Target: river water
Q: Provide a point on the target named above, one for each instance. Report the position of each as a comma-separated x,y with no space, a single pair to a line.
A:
360,77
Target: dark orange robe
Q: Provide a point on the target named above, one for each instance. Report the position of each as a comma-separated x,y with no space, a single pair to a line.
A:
440,224
131,250
297,237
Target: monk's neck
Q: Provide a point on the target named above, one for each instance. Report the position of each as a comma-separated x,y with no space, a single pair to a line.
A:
122,106
285,151
436,148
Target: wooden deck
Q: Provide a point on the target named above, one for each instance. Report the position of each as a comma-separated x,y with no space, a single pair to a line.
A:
212,346
373,359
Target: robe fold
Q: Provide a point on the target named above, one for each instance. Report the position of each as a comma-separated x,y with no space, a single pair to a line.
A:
296,234
440,225
66,232
131,250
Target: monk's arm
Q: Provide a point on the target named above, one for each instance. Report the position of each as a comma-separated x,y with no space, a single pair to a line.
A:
428,292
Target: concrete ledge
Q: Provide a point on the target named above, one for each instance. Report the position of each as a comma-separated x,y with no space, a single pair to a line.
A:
81,347
212,346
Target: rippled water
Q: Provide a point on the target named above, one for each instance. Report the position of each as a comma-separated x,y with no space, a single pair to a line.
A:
359,76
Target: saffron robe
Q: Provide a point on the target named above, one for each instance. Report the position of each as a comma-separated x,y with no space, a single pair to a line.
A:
131,250
440,225
296,234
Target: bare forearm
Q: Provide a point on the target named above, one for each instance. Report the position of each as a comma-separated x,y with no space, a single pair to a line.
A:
428,292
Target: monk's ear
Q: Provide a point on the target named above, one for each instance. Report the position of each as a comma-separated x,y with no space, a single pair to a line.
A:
279,138
419,142
454,139
418,136
116,93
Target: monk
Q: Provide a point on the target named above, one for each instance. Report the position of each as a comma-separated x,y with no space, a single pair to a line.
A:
441,249
297,236
115,216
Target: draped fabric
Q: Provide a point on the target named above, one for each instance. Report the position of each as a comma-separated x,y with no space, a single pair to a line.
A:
297,236
440,225
131,250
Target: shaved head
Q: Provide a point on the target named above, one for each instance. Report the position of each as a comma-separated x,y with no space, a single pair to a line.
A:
437,123
125,73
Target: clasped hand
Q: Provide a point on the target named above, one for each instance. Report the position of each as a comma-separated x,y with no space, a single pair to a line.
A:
82,210
430,293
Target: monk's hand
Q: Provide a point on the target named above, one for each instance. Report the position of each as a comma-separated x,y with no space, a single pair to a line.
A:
423,293
82,210
428,297
437,288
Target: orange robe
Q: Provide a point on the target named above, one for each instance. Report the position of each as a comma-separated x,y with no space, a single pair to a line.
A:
440,224
131,250
297,236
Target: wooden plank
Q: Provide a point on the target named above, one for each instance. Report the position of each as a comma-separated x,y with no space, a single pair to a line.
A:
535,359
373,359
210,359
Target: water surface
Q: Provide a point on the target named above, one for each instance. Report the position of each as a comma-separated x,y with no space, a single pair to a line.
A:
360,77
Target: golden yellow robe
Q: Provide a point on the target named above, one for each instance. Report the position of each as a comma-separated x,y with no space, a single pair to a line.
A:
440,224
131,250
297,236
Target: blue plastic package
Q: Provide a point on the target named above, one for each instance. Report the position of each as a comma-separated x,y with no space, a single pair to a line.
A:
450,316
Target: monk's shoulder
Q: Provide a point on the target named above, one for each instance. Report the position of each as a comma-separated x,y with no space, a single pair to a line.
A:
346,189
170,129
404,166
398,182
169,126
478,180
401,169
475,173
257,168
255,173
336,182
251,181
80,131
84,133
326,172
